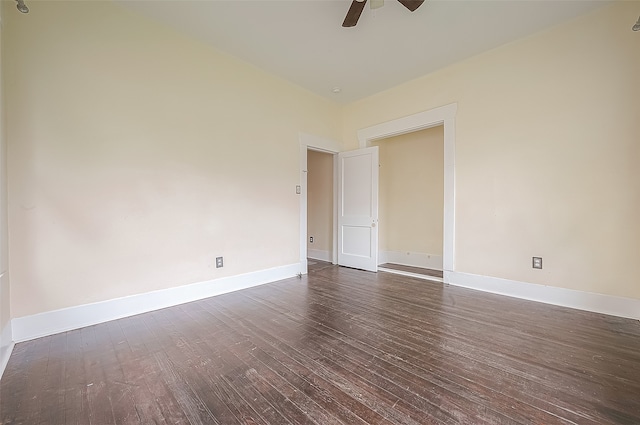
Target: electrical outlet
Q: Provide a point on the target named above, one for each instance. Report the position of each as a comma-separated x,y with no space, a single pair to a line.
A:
219,262
298,189
310,239
537,262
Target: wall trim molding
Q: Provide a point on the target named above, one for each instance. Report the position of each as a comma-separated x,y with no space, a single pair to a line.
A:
445,116
5,350
53,322
318,254
4,360
412,259
320,144
581,300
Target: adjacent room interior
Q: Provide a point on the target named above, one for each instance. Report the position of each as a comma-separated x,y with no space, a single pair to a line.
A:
412,203
171,190
320,200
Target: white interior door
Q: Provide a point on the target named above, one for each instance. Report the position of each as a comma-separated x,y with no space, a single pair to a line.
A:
358,209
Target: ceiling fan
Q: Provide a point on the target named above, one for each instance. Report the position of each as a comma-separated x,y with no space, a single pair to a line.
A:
357,6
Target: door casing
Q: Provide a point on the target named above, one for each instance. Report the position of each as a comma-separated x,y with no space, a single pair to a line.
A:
445,116
315,143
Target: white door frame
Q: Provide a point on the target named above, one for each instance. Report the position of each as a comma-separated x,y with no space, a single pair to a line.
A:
444,115
315,143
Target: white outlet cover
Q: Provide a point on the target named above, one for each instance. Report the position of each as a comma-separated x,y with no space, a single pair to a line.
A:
537,262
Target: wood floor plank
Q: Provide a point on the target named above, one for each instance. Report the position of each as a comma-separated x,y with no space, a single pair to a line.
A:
328,389
338,346
52,383
535,345
95,357
122,400
75,383
202,369
296,408
25,383
370,364
447,357
154,402
335,358
391,362
132,403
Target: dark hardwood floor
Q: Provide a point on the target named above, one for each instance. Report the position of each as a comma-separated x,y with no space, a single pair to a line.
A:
338,346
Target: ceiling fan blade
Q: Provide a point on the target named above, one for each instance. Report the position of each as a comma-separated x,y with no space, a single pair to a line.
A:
355,10
411,4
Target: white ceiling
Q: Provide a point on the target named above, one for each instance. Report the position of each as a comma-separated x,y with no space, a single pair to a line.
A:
303,41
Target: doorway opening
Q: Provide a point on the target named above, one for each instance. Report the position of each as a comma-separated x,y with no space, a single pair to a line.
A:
411,203
320,232
314,144
444,116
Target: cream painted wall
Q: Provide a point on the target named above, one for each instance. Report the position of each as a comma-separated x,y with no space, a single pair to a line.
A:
411,200
5,292
320,201
137,155
547,152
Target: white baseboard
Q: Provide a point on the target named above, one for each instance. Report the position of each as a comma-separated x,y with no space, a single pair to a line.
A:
589,301
318,254
413,259
6,347
52,322
409,274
